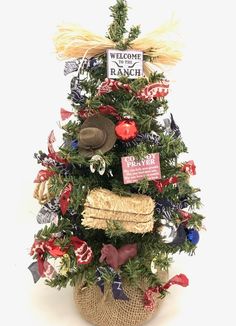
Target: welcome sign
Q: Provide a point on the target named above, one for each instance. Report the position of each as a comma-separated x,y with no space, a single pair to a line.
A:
124,63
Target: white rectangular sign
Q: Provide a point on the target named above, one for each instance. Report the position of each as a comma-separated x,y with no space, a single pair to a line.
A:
124,63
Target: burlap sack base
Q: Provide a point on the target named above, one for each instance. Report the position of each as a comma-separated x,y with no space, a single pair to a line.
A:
103,310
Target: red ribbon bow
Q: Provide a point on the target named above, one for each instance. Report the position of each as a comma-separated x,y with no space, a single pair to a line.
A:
149,303
86,113
160,184
185,215
110,85
65,114
65,198
103,109
51,151
153,91
189,168
83,252
40,248
108,109
43,175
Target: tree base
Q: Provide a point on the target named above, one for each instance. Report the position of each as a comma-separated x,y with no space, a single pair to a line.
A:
104,310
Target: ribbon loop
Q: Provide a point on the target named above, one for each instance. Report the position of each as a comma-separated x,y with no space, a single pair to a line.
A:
149,303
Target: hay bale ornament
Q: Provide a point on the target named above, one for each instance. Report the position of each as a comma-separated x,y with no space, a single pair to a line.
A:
134,212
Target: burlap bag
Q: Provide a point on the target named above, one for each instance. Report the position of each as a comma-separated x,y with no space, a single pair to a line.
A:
103,310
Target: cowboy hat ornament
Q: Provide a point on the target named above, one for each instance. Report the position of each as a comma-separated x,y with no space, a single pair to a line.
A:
96,135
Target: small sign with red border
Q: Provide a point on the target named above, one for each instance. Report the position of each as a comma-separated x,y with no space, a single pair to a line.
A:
134,171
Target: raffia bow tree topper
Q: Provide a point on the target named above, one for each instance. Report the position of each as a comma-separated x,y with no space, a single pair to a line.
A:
116,199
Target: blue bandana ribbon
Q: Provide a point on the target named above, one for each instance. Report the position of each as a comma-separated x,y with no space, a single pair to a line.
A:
117,290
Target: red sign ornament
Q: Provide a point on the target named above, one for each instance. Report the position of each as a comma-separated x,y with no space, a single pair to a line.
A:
149,303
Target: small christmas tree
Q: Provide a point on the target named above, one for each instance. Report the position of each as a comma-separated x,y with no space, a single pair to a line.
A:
116,200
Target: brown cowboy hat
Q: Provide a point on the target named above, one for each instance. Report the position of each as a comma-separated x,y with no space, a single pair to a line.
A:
97,134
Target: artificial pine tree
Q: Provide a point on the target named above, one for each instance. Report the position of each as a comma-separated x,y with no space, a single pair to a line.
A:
116,200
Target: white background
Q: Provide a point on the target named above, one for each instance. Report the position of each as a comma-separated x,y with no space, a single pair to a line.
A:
202,99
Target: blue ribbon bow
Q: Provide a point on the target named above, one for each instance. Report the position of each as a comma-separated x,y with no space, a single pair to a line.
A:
117,290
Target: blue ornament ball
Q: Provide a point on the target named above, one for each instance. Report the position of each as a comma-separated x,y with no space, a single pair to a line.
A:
193,236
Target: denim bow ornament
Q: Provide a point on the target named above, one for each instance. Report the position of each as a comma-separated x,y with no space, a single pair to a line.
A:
117,290
171,127
76,92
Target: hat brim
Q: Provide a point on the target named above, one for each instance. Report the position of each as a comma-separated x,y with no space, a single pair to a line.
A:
106,125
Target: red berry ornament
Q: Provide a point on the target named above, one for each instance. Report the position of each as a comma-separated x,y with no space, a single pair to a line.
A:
126,129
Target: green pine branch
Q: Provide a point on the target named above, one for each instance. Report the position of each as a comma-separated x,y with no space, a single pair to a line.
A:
119,13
